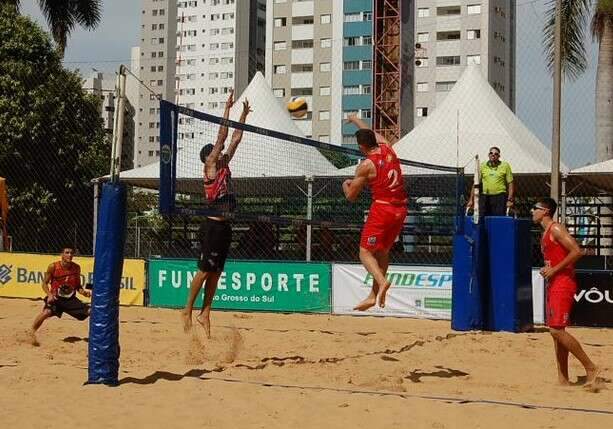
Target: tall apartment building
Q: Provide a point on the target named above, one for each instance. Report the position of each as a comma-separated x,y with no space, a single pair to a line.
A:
299,58
453,33
193,53
357,55
102,86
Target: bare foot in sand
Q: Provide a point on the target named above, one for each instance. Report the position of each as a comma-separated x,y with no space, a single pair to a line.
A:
30,338
591,377
205,323
382,293
563,381
187,321
366,304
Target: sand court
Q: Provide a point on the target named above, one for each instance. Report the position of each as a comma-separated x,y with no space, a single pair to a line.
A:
296,370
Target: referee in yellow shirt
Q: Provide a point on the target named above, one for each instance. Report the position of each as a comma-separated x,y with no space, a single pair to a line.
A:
498,190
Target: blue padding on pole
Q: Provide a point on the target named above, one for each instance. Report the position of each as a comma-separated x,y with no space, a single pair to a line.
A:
108,266
510,274
469,277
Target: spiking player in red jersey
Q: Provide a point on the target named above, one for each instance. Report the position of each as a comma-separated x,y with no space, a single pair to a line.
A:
381,172
215,232
560,252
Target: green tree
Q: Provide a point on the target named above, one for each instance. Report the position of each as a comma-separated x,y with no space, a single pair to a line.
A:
64,15
575,17
51,140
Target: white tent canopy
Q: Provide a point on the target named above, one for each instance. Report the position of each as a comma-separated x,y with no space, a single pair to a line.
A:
470,120
257,156
599,175
604,167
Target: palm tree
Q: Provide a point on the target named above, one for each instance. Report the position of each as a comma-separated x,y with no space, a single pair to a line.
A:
575,16
63,15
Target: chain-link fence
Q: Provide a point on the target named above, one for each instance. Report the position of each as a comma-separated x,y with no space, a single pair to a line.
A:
56,138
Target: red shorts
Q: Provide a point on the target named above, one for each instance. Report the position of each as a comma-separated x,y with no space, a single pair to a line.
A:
560,300
382,226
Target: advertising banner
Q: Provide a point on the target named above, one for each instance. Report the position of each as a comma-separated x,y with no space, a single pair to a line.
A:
21,276
593,299
263,286
423,292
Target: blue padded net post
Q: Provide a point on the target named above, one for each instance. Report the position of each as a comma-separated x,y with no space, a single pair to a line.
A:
108,267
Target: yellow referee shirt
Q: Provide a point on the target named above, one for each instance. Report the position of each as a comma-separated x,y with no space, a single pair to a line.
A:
495,179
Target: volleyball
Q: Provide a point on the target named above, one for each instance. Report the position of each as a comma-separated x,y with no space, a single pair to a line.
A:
297,107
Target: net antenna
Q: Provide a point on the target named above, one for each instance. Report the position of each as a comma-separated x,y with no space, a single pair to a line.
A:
120,88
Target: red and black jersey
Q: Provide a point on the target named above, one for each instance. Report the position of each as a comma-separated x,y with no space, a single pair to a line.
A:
70,276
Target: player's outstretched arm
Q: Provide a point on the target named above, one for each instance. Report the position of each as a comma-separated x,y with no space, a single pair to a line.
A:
353,187
237,135
353,119
222,135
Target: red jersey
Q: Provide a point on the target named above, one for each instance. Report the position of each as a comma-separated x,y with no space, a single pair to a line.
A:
70,276
554,253
388,185
219,187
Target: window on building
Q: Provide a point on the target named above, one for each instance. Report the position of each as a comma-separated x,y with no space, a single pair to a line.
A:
366,16
279,92
423,12
353,17
302,68
302,20
302,44
366,89
444,86
351,65
448,10
422,111
366,64
325,19
366,114
473,34
448,35
473,59
325,43
279,69
423,37
324,67
324,138
451,60
351,90
473,9
279,46
422,86
301,91
324,115
280,22
324,90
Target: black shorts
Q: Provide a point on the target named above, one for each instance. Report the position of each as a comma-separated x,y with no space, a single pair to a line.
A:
494,205
77,309
215,238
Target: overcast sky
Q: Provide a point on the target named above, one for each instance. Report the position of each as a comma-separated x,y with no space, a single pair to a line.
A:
109,45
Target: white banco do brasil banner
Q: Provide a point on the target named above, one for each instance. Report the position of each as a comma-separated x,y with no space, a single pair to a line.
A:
415,292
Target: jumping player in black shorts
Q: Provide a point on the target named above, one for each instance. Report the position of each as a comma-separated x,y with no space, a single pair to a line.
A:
61,283
215,232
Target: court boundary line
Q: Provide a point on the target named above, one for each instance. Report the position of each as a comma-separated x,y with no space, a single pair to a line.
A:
449,399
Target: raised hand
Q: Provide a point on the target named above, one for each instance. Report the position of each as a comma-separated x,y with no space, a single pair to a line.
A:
246,107
230,101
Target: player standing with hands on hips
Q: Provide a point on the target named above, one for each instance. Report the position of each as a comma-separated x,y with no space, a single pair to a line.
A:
381,172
